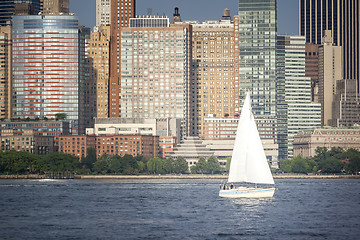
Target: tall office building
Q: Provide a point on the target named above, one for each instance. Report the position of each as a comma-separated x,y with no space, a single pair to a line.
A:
340,16
99,55
102,12
5,71
295,110
121,12
48,76
312,68
54,6
8,7
155,72
215,68
257,46
330,71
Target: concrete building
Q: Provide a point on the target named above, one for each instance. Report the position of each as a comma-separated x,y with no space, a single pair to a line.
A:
99,60
295,110
135,145
340,16
9,7
257,47
121,12
27,140
40,128
102,13
155,73
306,142
346,104
220,134
54,6
167,129
215,48
312,69
330,70
48,69
5,71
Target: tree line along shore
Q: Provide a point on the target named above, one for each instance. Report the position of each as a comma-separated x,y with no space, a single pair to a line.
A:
333,163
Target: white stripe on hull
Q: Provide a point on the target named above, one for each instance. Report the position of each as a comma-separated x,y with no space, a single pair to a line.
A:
243,192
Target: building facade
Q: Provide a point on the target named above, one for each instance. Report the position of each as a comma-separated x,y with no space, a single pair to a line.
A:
215,68
135,145
295,110
5,71
155,74
306,142
346,104
340,16
27,140
48,75
257,49
9,7
330,71
99,61
121,12
54,6
312,69
102,13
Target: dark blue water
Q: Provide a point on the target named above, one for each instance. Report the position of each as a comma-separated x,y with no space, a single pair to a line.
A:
176,209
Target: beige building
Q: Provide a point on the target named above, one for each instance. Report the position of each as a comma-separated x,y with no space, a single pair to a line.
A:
155,71
5,72
54,6
306,142
215,68
99,55
330,71
102,12
27,140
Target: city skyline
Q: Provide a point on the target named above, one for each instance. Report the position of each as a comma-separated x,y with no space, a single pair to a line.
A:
288,11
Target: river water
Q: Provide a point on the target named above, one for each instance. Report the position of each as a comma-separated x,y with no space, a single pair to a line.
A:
176,209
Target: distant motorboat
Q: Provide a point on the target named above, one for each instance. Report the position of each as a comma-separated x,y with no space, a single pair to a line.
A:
248,162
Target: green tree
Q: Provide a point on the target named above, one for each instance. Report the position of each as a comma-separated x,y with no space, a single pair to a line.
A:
354,160
331,165
90,158
201,165
181,165
155,165
115,165
228,162
300,165
60,116
101,166
320,154
285,165
213,165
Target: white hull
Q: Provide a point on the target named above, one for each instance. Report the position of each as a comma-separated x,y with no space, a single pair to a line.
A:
244,192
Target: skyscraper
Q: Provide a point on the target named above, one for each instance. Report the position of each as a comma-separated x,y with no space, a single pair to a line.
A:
340,16
121,12
7,8
295,110
102,12
54,6
48,76
257,46
155,71
215,68
5,71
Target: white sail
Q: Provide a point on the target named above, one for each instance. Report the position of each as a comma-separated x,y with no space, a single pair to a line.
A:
248,162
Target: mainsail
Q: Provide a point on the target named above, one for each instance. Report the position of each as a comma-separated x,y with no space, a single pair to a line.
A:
248,162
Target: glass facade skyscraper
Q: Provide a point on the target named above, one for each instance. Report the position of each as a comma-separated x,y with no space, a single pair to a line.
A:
47,70
257,49
7,8
295,111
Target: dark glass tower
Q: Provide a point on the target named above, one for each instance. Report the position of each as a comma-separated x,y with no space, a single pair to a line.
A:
7,8
340,16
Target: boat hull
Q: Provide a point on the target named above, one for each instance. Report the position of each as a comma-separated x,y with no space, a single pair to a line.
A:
243,192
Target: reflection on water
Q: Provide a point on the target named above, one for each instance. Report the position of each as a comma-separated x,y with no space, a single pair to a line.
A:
176,209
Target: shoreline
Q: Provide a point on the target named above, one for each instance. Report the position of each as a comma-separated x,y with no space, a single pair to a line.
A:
182,176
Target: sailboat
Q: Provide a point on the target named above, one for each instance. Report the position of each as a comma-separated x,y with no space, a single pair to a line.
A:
248,162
